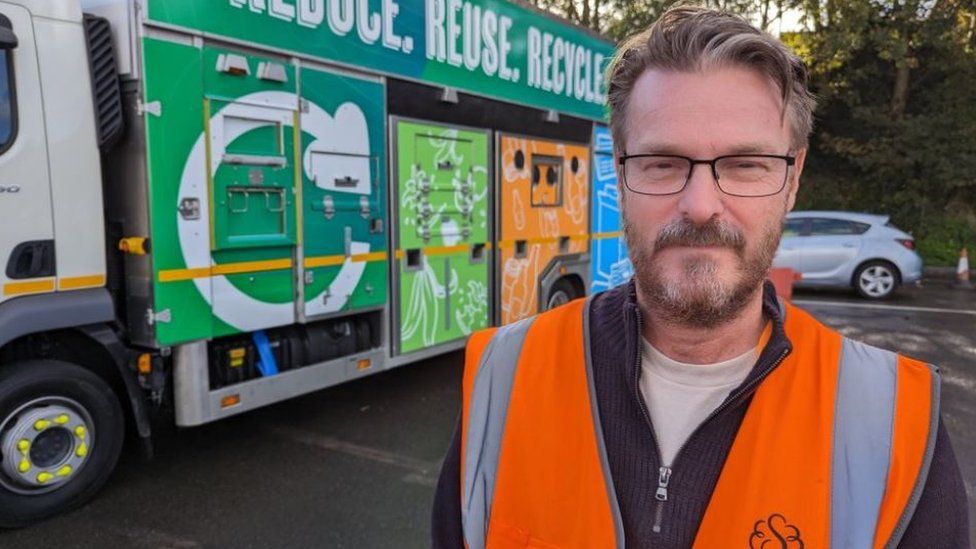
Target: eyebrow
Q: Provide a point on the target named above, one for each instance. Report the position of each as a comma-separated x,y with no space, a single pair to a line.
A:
669,148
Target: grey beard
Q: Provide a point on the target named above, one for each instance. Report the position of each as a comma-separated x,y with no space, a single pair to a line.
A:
699,300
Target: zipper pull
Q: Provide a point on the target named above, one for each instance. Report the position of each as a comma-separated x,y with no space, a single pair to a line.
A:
663,478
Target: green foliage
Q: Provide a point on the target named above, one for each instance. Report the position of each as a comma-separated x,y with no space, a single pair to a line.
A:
896,125
940,240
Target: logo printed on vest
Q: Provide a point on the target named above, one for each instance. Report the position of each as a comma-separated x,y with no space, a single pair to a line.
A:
775,533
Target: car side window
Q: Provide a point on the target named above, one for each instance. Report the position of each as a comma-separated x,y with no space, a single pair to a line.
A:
8,111
831,227
793,227
860,228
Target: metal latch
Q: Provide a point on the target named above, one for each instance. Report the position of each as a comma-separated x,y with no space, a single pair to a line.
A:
328,206
154,108
425,185
445,165
190,208
163,317
346,181
364,206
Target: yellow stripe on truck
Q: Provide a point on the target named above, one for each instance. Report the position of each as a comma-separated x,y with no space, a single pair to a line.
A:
603,236
333,260
173,275
45,285
443,250
78,282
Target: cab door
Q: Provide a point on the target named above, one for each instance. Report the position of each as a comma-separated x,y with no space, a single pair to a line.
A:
27,239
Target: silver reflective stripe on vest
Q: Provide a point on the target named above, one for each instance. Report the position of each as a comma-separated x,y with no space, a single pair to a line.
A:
486,423
618,523
862,441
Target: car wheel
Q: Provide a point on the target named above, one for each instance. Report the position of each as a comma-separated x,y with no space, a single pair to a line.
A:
61,433
562,292
876,279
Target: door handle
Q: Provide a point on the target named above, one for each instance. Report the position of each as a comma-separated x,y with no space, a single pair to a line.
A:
849,245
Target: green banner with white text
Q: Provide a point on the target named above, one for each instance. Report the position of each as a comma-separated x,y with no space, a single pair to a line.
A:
490,48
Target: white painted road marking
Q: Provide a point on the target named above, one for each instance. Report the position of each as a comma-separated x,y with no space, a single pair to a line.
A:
905,308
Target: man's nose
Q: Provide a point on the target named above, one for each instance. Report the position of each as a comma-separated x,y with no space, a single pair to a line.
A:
701,198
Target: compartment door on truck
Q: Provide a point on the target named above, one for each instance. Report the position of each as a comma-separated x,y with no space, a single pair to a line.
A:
27,241
610,263
251,112
544,201
441,235
344,220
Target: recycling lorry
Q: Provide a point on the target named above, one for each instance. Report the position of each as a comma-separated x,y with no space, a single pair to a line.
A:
208,206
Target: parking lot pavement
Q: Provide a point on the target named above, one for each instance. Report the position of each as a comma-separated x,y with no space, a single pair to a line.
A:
933,323
355,465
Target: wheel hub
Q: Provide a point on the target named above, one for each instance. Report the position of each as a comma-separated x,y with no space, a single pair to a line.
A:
44,444
877,281
557,299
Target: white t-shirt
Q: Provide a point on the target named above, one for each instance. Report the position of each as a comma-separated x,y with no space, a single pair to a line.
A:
679,396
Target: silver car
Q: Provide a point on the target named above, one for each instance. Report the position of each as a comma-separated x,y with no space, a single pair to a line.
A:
844,249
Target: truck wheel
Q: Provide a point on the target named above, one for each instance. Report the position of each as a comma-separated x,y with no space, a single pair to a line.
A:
61,432
561,293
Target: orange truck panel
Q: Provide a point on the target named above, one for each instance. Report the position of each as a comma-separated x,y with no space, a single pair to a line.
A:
544,214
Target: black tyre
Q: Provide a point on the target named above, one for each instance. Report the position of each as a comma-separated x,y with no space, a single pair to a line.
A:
876,279
61,433
562,292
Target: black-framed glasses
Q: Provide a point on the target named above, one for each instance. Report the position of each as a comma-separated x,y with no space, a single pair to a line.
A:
751,175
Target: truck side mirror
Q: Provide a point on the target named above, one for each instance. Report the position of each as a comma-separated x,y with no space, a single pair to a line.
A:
8,40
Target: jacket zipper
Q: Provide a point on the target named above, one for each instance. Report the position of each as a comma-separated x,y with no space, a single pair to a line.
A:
665,471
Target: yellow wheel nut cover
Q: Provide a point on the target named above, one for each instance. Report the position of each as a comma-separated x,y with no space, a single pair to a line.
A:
41,424
64,471
62,419
23,445
44,477
80,431
24,466
82,450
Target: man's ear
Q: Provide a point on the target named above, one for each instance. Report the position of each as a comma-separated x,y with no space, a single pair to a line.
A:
793,185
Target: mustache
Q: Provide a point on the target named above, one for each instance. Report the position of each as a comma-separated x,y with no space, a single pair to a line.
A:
712,233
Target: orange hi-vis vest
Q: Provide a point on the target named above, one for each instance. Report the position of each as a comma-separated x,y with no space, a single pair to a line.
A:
833,450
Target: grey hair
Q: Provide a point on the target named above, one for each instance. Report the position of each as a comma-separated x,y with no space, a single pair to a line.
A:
689,38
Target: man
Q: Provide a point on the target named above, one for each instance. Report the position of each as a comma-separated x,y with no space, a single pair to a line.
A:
691,407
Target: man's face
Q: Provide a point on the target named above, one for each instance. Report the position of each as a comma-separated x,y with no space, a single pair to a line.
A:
701,255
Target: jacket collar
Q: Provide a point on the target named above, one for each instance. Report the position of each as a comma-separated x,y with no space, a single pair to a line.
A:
776,349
